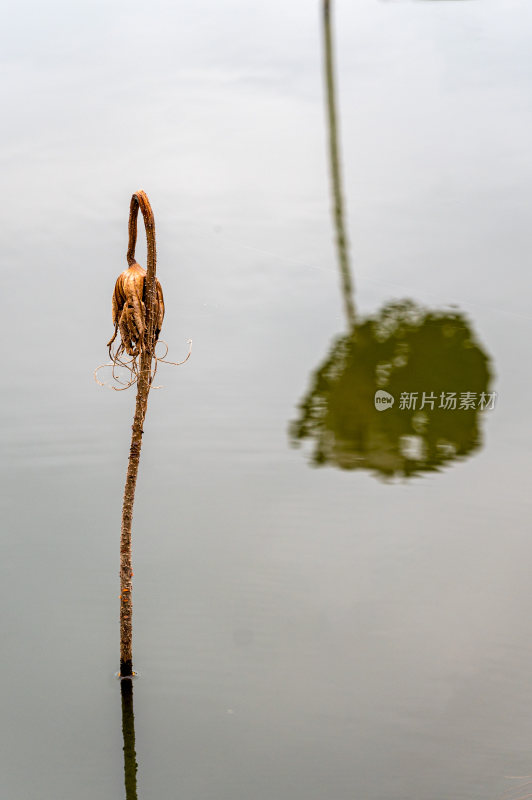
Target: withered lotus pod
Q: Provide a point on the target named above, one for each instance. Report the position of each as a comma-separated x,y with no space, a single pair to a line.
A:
129,309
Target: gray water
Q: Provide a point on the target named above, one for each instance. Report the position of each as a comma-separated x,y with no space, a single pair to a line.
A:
302,632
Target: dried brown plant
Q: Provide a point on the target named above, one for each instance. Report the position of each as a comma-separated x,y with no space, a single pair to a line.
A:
129,314
138,312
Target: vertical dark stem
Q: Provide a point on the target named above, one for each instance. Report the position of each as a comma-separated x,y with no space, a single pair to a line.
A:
336,181
128,732
143,387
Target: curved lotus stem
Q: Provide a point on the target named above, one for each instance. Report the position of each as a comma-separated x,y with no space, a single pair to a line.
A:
138,313
139,200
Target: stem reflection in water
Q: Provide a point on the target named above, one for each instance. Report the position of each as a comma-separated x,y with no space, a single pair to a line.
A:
342,244
128,732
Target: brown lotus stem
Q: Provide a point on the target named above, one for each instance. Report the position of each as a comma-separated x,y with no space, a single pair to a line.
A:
139,199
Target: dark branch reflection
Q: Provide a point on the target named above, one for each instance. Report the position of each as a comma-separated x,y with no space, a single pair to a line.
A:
426,366
128,732
342,245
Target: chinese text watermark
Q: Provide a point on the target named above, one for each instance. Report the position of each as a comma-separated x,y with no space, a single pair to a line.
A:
447,401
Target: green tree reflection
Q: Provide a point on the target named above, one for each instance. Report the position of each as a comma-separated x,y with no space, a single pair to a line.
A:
403,348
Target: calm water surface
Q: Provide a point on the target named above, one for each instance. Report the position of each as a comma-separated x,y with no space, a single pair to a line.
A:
349,630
